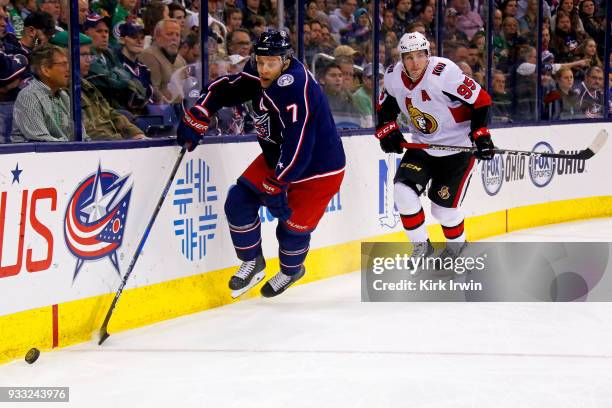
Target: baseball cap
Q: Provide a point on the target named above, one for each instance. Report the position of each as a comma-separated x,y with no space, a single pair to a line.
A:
344,51
369,68
236,59
130,29
93,19
61,39
11,67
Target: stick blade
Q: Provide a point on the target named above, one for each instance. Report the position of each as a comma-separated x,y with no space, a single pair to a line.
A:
103,336
599,141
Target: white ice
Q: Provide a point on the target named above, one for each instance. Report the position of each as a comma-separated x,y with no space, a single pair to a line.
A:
317,345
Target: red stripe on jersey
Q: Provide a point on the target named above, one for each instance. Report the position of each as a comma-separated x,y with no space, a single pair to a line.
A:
463,179
483,99
413,221
461,113
453,232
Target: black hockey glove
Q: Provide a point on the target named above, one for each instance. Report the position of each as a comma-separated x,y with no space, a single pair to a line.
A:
276,198
191,128
390,138
484,144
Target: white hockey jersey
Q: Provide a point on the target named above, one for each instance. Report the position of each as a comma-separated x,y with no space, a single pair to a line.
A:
433,104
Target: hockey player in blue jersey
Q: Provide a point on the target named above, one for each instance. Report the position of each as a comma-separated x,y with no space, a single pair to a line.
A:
300,169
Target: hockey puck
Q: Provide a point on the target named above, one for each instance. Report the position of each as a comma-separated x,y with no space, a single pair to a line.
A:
32,355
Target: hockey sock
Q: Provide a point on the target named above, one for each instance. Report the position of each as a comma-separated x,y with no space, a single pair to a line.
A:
242,211
247,240
292,249
455,233
414,225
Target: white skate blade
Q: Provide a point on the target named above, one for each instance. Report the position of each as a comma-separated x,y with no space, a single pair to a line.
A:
256,279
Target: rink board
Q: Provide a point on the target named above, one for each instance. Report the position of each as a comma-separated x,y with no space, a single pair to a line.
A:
58,276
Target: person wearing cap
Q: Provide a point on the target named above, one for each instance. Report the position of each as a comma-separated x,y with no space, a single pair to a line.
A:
12,71
362,97
107,72
359,31
452,35
131,38
101,121
42,108
124,10
163,58
344,51
38,28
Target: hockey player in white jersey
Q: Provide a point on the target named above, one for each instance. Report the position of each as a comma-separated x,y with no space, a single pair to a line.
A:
444,107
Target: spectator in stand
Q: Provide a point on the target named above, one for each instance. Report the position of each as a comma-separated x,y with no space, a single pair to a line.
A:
564,101
259,26
588,51
38,28
359,31
42,108
83,11
154,12
388,23
345,51
52,7
565,41
403,15
328,43
348,73
528,22
362,97
313,13
162,58
452,36
178,13
131,38
461,53
101,121
106,71
239,42
468,21
509,8
567,6
125,10
427,17
591,99
338,98
475,58
343,17
233,19
465,68
594,27
500,111
12,71
523,85
252,9
190,48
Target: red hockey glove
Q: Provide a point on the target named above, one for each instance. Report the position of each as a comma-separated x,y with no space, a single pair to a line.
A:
390,138
276,198
484,144
191,128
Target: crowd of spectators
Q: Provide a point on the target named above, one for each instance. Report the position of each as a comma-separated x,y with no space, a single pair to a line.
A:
141,59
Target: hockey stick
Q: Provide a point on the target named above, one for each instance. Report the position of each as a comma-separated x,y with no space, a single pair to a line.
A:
104,329
585,154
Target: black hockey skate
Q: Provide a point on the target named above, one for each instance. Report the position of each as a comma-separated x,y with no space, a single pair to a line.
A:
280,282
248,275
451,250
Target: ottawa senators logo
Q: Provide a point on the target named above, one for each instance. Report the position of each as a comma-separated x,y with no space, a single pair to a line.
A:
423,121
443,193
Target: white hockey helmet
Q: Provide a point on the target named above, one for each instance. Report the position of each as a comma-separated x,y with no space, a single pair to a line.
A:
413,42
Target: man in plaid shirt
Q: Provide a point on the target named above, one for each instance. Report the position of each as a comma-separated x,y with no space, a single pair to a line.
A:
42,109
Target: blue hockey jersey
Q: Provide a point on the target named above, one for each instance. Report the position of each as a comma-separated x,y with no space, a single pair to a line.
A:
295,128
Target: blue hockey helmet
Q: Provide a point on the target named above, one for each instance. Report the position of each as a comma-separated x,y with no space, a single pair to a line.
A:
273,43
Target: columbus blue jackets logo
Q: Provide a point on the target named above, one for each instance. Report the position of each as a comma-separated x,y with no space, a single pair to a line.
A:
196,199
95,218
285,80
